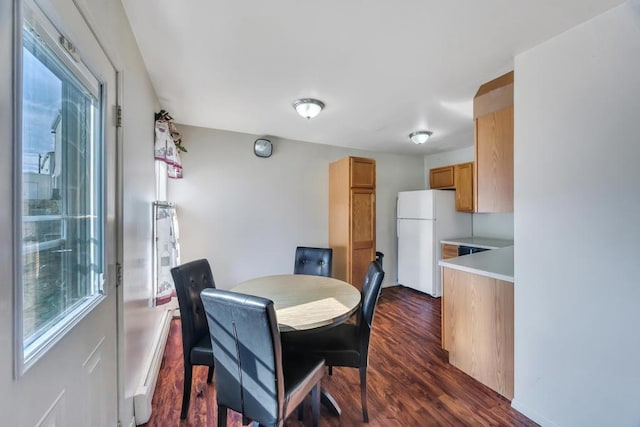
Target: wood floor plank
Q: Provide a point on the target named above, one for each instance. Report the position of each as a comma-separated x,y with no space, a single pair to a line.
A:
410,381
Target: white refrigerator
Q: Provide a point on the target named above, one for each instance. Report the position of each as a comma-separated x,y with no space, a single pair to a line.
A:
425,218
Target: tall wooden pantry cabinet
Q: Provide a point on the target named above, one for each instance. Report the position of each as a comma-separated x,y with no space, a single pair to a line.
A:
352,217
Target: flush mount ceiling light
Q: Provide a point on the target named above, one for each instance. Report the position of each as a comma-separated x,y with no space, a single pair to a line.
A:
308,107
420,137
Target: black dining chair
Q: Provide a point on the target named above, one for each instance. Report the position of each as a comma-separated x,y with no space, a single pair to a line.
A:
346,344
190,279
253,376
314,261
379,257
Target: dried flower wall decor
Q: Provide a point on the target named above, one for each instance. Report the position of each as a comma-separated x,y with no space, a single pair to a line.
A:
164,116
168,144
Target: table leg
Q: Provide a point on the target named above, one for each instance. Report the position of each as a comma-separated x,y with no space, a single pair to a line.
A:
329,402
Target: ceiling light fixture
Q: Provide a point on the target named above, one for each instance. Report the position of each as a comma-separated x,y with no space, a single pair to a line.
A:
308,107
420,137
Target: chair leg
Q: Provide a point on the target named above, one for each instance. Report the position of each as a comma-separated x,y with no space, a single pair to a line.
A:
210,375
315,404
300,411
222,416
363,393
186,391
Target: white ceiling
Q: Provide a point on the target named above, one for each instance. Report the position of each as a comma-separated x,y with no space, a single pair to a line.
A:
383,68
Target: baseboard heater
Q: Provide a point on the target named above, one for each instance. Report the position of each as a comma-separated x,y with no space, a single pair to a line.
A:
144,394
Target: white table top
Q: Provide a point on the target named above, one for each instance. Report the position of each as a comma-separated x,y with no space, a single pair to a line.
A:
305,302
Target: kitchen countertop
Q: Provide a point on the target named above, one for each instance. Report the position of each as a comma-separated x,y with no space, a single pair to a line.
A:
496,263
479,242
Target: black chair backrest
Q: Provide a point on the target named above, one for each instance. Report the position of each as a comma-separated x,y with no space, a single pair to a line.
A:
370,293
190,279
379,256
314,261
247,352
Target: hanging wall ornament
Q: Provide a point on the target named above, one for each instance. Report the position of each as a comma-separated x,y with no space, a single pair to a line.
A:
168,144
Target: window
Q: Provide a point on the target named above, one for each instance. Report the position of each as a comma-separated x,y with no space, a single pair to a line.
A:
61,199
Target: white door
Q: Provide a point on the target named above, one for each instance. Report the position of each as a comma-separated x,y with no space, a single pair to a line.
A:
415,254
66,362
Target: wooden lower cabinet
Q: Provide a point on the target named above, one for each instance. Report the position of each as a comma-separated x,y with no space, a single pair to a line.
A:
449,250
478,327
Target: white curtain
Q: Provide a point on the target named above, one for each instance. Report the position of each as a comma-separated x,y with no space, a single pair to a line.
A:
166,250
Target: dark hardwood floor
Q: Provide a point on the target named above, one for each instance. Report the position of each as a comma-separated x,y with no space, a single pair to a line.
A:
409,379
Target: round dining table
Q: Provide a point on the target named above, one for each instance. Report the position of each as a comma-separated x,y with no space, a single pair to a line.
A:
304,302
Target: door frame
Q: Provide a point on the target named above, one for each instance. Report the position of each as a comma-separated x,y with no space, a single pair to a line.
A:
112,190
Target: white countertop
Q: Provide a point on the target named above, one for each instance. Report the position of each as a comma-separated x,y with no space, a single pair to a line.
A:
479,242
496,263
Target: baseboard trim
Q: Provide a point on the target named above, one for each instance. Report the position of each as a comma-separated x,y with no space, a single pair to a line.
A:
144,394
533,415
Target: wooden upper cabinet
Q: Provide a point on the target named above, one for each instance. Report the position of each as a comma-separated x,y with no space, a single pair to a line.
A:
493,115
442,177
352,217
464,187
363,172
458,177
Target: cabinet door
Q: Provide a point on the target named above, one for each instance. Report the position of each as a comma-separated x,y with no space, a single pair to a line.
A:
339,211
494,162
363,234
363,172
478,327
441,177
464,187
449,251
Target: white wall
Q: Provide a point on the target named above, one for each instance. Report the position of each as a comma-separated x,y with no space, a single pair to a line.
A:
496,225
140,322
247,214
577,205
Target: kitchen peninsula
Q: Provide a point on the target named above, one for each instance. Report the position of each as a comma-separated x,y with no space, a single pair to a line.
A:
477,316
